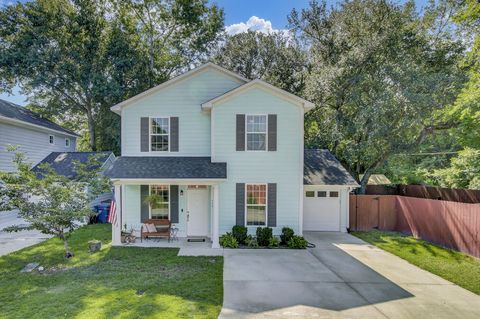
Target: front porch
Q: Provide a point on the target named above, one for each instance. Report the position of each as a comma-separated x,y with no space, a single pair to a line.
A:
187,248
190,206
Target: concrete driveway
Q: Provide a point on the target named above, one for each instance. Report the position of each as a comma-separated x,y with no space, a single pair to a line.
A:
10,242
343,277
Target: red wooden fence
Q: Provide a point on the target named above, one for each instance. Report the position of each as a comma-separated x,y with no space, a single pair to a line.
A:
449,224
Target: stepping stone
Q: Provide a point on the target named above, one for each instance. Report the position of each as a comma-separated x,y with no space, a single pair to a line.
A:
29,267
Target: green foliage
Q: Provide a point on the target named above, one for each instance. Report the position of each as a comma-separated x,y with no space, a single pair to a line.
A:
273,242
181,287
78,58
464,171
263,235
297,242
51,203
240,233
454,266
251,242
287,233
228,241
380,76
256,55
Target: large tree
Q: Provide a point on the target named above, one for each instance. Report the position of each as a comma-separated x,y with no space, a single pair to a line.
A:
379,75
76,58
275,57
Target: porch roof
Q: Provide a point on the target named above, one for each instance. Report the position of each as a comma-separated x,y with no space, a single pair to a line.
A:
166,167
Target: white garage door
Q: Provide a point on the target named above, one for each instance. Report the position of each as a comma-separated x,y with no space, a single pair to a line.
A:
321,210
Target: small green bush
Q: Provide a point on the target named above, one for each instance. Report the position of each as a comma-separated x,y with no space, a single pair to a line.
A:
251,242
274,242
263,236
287,233
240,233
228,241
297,242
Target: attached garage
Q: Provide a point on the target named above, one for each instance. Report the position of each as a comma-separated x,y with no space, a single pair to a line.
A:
326,192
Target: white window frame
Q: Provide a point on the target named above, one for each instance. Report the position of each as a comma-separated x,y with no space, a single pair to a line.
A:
150,134
246,132
169,199
246,205
67,142
51,139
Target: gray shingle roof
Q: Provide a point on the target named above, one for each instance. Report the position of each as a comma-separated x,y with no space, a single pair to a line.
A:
17,112
64,162
166,167
322,168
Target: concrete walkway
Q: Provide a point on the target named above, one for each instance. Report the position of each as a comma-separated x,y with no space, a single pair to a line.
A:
343,277
10,242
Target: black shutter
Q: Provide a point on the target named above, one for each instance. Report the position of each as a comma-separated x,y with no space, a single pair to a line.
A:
174,134
144,134
174,203
272,132
240,204
240,132
144,205
272,205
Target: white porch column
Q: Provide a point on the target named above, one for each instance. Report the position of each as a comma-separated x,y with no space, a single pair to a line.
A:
215,218
117,227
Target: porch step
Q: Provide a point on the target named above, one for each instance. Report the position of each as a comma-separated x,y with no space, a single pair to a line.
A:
196,239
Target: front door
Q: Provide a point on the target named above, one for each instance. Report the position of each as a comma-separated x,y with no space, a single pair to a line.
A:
197,211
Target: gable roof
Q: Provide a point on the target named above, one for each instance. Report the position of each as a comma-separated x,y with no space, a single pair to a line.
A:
166,167
118,107
64,162
322,168
307,105
16,113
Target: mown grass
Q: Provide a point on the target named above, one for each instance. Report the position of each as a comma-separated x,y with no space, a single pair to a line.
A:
117,282
451,265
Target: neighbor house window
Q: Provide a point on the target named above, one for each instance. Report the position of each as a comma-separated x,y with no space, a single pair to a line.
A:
67,142
159,134
321,194
310,194
333,194
160,206
50,139
256,132
256,204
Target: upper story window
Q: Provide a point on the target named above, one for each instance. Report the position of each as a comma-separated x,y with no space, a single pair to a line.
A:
256,204
67,142
159,134
256,131
50,139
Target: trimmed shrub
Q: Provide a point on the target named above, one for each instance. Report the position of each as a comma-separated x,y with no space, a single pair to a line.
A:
274,242
263,236
228,241
251,242
287,233
240,233
297,242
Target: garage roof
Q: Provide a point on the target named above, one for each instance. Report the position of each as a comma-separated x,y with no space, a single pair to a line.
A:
322,168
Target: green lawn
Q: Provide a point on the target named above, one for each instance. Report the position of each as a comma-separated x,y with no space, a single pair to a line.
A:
117,282
451,265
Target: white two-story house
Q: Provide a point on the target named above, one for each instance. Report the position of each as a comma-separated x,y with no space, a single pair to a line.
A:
221,150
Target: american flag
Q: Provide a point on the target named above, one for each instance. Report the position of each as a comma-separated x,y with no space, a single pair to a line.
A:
112,214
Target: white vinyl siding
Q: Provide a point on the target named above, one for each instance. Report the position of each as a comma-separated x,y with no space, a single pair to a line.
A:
35,143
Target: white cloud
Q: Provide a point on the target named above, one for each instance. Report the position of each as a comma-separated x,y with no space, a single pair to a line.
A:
253,24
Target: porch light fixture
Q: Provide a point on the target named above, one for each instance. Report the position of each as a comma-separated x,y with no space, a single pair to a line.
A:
181,192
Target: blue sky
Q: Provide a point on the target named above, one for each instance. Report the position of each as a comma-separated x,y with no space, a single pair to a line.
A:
240,15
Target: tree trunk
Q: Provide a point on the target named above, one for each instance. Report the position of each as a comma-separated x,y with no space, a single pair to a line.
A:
363,183
68,253
91,130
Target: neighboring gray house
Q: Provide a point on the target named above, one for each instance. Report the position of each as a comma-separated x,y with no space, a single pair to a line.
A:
35,136
64,164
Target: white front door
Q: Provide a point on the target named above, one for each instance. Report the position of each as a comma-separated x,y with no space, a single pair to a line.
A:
197,212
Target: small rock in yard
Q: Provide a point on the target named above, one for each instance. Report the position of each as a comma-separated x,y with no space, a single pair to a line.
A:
29,267
212,260
40,268
140,292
